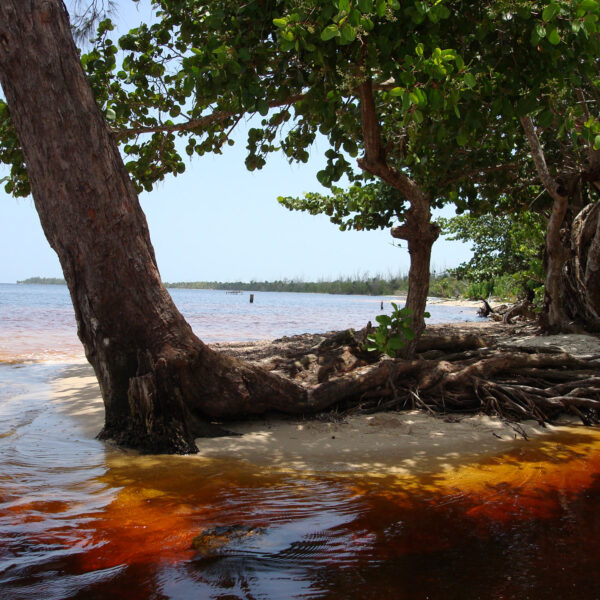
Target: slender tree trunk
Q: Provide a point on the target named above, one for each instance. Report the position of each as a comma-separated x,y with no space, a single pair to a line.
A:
159,382
418,230
555,316
420,234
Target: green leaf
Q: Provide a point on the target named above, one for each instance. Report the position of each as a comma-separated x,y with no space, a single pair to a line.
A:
550,11
443,12
384,319
281,23
330,32
323,178
111,115
597,142
470,80
344,5
365,6
397,91
546,118
348,33
526,105
421,97
396,343
554,37
263,108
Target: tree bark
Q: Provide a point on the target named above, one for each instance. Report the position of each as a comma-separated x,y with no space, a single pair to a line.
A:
554,316
581,276
420,233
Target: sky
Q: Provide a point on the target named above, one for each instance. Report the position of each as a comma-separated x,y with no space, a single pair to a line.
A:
220,222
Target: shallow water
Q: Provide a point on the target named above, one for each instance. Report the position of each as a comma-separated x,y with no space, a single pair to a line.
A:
37,322
79,519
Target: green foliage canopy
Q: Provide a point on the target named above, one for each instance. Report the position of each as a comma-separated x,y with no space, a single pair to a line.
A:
448,91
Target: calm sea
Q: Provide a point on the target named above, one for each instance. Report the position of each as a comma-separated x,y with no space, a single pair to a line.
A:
37,321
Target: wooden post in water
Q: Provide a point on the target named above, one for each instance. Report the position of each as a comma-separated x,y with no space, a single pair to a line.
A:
382,305
251,298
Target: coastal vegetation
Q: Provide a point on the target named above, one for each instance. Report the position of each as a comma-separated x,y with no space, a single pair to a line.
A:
421,108
42,281
369,286
441,285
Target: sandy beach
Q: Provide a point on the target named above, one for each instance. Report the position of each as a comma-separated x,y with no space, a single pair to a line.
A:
394,443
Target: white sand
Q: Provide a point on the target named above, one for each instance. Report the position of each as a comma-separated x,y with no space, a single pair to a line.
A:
580,345
385,443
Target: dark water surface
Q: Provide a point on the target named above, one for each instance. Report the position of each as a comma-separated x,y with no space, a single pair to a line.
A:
79,519
82,520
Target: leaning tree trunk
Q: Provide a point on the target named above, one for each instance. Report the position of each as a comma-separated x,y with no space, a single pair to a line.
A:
160,383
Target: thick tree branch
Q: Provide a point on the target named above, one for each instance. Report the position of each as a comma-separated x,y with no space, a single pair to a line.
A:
374,159
539,159
199,123
402,232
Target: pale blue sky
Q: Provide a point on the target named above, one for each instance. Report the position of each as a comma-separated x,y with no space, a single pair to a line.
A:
217,221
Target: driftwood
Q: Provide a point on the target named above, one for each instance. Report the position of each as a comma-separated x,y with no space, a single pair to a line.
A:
486,310
454,371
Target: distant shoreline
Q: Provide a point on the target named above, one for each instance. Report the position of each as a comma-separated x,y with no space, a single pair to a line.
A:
42,281
363,286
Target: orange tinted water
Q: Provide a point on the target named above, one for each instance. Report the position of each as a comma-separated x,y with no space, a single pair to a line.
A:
79,519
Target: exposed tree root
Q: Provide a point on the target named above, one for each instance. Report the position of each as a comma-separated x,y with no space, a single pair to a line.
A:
459,372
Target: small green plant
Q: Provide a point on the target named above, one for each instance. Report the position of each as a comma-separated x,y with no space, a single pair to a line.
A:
392,333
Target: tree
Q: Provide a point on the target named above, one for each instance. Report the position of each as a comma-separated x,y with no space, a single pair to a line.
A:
160,384
429,100
572,298
524,62
507,252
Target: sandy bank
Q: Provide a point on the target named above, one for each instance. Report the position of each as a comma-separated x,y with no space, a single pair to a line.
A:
386,443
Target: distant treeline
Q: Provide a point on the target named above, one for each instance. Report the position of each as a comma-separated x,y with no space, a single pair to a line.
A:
44,280
441,285
373,286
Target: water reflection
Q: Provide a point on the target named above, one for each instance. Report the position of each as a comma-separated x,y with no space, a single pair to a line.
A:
79,519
